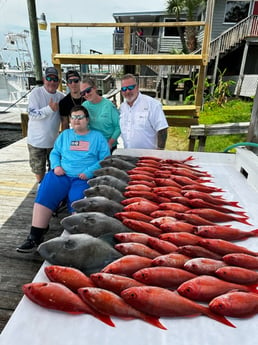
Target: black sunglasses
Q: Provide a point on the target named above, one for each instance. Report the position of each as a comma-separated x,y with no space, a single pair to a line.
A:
87,90
129,87
70,81
55,79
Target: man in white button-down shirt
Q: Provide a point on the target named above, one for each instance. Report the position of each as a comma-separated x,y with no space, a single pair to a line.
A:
142,120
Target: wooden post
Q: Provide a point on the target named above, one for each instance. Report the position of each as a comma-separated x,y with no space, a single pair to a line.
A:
35,40
252,135
242,70
24,124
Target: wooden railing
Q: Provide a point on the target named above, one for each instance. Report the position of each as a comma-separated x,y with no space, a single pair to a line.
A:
182,115
201,132
248,27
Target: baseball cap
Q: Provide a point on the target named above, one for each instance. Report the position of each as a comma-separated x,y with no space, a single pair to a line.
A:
71,73
51,71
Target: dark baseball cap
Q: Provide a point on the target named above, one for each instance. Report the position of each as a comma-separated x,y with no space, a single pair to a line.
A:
72,73
51,71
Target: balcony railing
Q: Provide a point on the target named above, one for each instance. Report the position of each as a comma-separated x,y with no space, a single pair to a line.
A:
138,45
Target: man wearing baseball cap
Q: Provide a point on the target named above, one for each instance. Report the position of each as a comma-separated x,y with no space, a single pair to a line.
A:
44,121
72,99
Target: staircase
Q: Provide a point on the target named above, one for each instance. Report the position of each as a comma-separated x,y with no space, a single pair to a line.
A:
142,46
228,40
232,37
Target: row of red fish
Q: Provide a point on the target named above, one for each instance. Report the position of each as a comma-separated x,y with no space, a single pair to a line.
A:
176,245
175,214
104,295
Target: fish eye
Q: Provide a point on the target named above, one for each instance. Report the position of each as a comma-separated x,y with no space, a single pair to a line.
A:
69,244
99,277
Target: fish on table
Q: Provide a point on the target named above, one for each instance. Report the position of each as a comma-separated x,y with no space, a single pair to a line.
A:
108,303
205,287
224,232
203,266
113,171
68,276
108,180
162,217
117,163
113,282
235,304
98,204
108,192
93,223
56,296
242,260
87,253
160,302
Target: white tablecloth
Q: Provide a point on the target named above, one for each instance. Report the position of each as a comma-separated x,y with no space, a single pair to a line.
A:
32,324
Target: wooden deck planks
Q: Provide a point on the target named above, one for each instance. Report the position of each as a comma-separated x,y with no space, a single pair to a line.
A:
17,193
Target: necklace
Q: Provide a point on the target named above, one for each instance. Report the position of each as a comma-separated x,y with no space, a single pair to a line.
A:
77,101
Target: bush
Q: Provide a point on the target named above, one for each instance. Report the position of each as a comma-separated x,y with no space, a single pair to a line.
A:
235,110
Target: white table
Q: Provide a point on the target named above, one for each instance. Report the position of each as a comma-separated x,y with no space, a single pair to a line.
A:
32,324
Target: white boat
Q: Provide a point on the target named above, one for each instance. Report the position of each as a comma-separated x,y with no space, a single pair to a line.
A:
17,77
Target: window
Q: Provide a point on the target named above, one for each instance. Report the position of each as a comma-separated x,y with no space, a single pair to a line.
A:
235,11
171,31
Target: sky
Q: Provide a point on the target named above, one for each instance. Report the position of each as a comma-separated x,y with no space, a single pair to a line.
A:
14,18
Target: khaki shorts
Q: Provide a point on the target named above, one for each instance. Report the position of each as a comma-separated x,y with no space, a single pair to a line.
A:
39,159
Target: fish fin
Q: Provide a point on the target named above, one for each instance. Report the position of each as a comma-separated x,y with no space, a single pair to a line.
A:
218,318
105,318
154,321
109,238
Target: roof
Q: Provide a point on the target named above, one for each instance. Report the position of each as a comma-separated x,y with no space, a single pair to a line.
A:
151,16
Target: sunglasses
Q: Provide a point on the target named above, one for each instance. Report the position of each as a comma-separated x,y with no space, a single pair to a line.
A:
129,87
87,90
55,79
77,117
70,81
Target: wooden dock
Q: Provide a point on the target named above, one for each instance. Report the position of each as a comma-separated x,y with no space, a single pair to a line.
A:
17,192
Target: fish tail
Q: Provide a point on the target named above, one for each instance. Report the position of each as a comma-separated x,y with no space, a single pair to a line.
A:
204,180
105,318
219,318
240,213
154,321
235,204
190,158
243,220
254,232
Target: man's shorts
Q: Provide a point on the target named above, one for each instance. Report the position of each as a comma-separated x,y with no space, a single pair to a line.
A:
38,158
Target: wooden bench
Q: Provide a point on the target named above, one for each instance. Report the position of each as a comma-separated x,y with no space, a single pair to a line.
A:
201,132
181,115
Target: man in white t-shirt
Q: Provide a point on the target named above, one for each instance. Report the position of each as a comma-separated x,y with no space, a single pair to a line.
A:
44,121
142,121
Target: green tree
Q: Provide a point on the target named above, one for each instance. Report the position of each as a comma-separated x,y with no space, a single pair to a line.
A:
189,8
